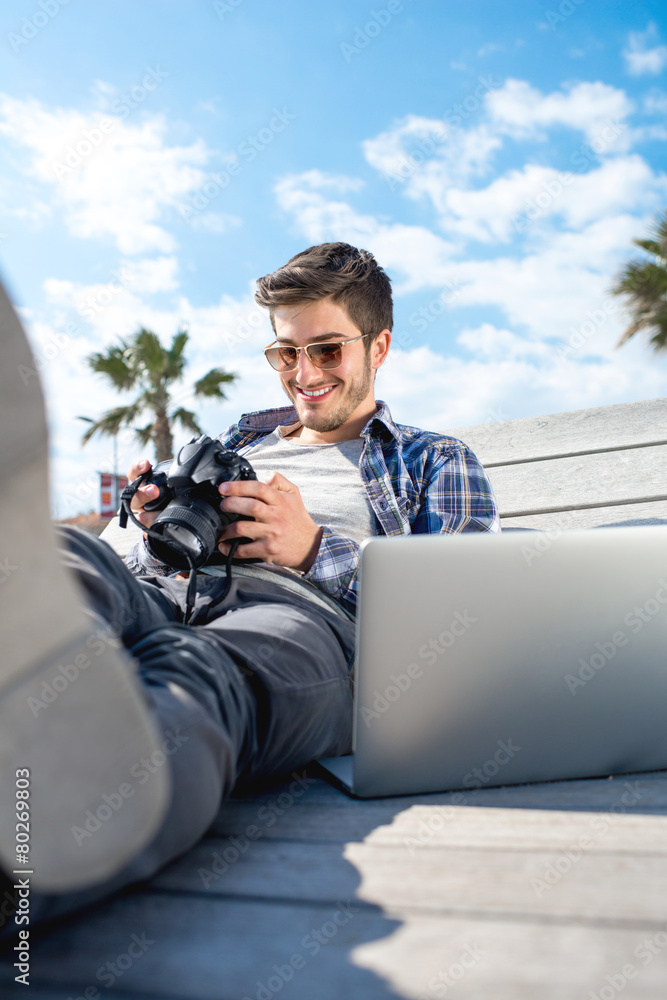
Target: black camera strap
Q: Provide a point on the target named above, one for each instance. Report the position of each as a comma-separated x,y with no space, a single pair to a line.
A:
192,585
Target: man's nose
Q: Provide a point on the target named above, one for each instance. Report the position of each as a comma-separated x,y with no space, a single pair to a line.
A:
306,371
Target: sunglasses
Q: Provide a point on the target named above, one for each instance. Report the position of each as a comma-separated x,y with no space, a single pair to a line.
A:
329,355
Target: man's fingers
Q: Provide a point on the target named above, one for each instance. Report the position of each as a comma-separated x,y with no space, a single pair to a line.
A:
241,529
137,468
251,550
252,488
143,495
249,506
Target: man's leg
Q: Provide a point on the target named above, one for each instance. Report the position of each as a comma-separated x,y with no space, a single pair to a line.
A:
299,659
260,689
203,706
73,717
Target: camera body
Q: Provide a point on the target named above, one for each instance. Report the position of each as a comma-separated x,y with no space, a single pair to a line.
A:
186,531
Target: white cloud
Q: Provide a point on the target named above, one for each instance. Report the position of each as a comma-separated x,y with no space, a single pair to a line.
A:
416,254
639,58
113,178
523,111
429,154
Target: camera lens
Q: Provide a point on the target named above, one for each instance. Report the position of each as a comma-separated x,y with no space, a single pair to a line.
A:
185,533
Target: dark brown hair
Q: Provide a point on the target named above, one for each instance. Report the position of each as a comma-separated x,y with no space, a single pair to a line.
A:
349,277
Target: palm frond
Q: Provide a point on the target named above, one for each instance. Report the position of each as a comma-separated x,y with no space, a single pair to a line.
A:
111,422
209,385
144,434
187,420
643,283
149,352
115,365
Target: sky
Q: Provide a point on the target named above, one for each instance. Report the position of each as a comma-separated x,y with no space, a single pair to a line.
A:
498,158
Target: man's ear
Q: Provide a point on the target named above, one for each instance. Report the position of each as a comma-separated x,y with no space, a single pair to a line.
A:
380,349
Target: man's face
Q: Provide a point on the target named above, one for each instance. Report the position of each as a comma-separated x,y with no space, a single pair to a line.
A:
326,401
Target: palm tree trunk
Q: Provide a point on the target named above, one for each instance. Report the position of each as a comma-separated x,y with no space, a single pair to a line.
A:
162,437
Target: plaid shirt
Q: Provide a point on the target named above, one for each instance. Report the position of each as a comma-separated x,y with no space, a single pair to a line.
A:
417,482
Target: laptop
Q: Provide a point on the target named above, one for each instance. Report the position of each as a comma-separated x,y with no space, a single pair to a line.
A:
488,660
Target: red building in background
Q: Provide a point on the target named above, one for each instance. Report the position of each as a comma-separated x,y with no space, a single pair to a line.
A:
110,489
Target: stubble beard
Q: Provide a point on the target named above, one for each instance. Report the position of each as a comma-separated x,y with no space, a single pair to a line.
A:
356,392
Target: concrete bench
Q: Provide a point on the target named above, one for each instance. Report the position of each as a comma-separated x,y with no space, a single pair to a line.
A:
553,890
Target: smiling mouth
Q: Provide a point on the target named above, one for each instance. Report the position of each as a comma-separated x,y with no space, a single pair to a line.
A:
314,394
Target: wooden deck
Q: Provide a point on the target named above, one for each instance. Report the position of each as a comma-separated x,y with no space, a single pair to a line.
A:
541,891
554,891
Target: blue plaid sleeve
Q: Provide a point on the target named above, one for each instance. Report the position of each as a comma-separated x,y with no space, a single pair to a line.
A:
335,568
459,496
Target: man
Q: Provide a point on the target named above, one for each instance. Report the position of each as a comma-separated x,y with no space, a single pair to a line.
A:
259,682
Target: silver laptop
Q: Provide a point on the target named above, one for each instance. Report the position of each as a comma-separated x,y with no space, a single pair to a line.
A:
499,659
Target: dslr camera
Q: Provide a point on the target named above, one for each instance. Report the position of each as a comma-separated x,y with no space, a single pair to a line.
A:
185,533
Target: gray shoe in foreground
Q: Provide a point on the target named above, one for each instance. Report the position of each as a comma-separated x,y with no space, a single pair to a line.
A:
73,717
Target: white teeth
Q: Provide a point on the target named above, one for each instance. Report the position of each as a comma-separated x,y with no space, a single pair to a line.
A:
316,392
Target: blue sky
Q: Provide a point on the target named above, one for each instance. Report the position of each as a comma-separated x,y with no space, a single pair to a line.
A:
498,158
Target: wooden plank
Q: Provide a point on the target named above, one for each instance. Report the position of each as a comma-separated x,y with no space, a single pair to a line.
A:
227,950
477,815
584,877
626,425
474,959
215,949
325,813
591,517
633,476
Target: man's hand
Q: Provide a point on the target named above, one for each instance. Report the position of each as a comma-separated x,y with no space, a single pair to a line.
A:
143,494
283,532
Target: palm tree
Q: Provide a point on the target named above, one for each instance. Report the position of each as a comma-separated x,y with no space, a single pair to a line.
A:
644,283
142,362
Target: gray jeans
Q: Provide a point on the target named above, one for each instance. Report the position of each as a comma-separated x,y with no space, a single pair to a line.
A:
258,684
